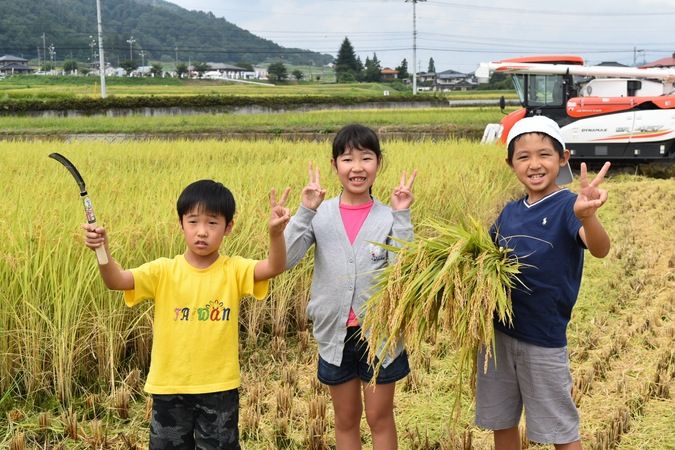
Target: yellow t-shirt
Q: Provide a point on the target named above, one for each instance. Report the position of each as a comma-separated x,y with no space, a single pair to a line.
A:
195,347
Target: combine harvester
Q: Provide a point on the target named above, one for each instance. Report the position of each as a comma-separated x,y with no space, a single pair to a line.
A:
625,115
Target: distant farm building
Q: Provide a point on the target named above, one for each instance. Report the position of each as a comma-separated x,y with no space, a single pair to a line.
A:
448,80
11,65
389,74
222,70
663,62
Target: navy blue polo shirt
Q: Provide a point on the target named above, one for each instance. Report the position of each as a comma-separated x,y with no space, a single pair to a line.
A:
545,237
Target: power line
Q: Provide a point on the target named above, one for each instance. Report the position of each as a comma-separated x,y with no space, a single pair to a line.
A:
551,12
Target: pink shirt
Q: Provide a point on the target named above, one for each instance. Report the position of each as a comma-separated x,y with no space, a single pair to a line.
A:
353,217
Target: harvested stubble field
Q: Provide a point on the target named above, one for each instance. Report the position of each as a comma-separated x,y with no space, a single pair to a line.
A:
72,357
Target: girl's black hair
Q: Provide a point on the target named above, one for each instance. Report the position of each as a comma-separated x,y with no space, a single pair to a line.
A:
358,137
554,142
206,195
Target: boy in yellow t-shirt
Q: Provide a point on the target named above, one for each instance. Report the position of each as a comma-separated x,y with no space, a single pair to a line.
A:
194,369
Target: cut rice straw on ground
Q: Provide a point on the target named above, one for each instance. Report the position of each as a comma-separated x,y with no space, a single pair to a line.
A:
457,278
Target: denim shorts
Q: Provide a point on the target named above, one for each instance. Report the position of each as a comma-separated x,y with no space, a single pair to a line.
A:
355,364
527,376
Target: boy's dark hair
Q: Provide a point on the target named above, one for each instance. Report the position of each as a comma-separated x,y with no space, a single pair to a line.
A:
556,145
358,137
206,195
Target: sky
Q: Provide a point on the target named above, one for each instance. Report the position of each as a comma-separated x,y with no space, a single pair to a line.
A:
460,34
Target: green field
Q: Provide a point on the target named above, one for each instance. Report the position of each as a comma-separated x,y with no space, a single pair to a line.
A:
73,358
42,87
325,121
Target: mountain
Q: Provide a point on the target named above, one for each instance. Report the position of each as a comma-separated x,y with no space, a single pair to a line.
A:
162,30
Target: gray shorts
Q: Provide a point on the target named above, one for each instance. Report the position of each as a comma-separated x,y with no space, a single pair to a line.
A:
528,375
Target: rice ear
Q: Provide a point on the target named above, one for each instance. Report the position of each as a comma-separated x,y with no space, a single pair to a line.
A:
454,277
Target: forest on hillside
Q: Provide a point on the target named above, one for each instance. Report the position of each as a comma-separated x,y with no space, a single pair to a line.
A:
161,30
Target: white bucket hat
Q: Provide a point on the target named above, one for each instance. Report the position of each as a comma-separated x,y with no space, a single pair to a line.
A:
542,124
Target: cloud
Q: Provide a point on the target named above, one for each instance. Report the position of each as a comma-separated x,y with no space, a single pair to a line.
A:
459,34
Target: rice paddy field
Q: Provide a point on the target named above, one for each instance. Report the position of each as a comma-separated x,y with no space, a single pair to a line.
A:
73,358
430,120
42,87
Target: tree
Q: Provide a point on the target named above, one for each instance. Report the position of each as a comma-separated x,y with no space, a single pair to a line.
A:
200,68
432,66
181,69
360,69
346,65
70,66
277,71
373,70
298,75
156,70
403,70
129,66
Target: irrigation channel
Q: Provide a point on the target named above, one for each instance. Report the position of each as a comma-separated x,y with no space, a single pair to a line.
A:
257,109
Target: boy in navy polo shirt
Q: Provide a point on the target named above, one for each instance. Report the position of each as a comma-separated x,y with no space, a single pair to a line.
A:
548,230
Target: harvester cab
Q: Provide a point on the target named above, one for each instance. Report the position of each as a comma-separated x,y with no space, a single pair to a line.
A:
625,115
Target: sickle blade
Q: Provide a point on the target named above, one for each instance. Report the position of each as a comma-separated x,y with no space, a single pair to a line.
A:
72,169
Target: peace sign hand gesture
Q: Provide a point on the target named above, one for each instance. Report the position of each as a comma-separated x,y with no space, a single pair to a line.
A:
402,197
280,215
313,194
590,197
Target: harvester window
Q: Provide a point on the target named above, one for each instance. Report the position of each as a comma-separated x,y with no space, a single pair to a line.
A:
545,90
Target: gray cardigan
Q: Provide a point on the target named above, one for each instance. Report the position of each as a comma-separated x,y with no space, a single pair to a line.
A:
344,274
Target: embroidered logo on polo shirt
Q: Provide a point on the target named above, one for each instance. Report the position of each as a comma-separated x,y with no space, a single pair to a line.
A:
543,222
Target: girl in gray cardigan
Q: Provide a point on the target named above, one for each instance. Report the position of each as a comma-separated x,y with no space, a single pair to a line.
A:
343,230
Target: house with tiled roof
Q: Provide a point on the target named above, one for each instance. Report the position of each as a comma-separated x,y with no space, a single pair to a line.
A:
11,65
389,74
663,62
451,80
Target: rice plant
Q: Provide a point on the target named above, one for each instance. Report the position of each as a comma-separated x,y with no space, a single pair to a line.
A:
453,279
64,338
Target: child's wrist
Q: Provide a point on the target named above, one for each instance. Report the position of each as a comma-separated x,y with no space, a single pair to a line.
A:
585,219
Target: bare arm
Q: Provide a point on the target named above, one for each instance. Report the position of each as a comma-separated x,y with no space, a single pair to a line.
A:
275,263
114,276
589,200
595,237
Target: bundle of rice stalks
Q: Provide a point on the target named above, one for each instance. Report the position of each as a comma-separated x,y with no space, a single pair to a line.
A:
457,279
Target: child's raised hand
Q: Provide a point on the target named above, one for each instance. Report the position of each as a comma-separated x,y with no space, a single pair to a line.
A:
313,194
590,197
94,237
402,197
280,215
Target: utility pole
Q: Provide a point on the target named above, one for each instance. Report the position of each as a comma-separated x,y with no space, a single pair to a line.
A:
131,41
414,3
142,53
92,45
101,58
52,52
44,48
